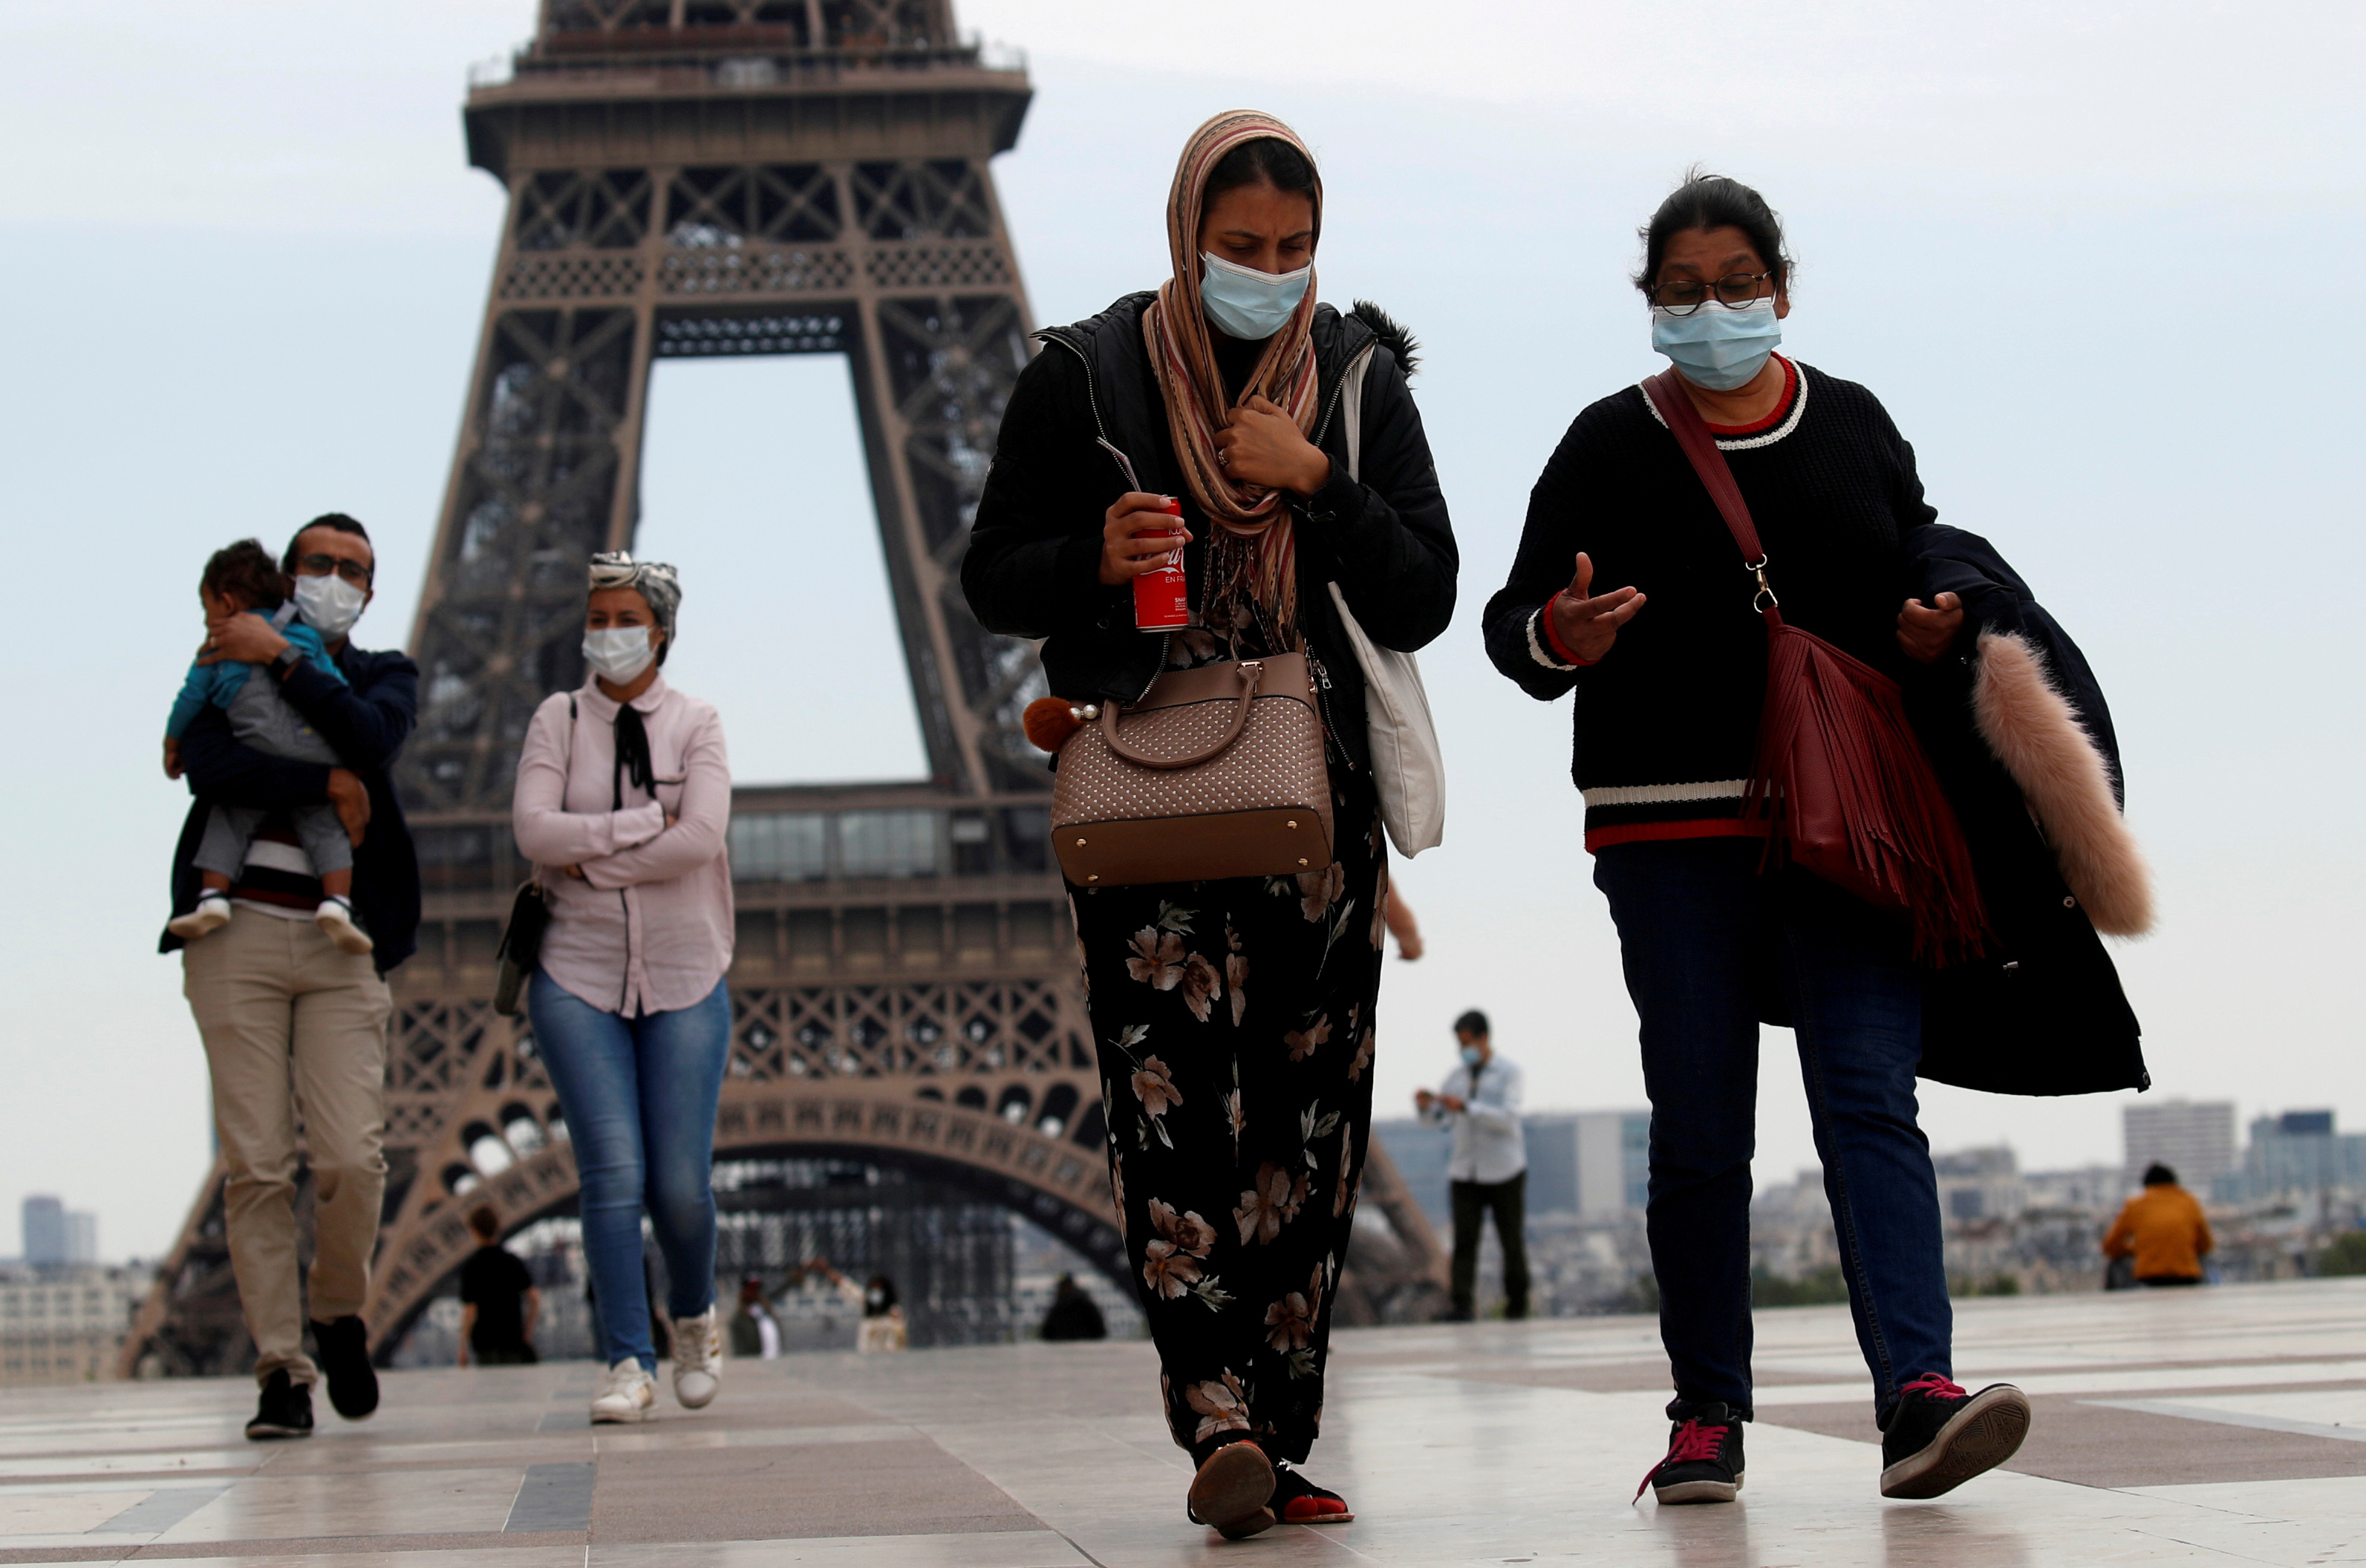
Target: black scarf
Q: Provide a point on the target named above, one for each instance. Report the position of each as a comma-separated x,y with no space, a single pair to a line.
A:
632,754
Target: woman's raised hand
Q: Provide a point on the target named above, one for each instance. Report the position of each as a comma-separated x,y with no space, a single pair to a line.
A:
1587,625
1925,633
1138,534
1263,446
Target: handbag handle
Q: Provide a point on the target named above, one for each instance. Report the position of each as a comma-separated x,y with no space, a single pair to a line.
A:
1667,393
1251,672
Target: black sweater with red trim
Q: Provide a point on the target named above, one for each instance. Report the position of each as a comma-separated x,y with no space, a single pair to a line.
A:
1666,721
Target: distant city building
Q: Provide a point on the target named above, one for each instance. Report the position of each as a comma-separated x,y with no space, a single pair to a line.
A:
65,1322
2194,1139
45,1231
2091,1189
2298,1151
1979,1184
1593,1164
1420,1152
56,1236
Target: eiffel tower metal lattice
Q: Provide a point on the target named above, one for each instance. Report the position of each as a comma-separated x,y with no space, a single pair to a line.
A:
695,178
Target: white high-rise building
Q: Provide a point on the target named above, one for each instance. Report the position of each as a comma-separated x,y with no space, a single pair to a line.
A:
2194,1138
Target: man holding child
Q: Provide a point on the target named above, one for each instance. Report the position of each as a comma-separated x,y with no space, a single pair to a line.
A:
293,1010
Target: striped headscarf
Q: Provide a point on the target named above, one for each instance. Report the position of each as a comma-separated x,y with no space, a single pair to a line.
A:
1253,554
658,584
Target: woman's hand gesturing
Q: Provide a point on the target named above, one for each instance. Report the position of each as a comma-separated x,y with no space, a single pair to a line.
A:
1585,626
1263,446
1137,535
1926,631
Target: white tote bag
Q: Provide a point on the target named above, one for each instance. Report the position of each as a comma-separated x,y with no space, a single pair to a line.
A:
1407,762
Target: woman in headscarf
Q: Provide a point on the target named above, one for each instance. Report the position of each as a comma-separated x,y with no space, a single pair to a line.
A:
624,796
1233,1018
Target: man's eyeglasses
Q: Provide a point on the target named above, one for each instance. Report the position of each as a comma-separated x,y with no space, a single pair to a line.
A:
353,572
1684,295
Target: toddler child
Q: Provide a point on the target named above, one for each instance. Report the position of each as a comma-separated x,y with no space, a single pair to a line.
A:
244,580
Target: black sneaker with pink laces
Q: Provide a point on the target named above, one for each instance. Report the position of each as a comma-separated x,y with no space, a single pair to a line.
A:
1704,1461
1938,1437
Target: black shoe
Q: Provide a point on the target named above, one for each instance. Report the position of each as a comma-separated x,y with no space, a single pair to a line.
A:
1938,1437
1454,1315
286,1410
344,1361
1704,1462
1513,1311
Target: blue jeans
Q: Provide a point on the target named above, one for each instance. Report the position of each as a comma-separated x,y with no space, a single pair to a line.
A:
639,1097
1703,936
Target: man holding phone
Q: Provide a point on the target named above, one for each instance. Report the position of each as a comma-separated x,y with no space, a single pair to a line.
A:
1489,1171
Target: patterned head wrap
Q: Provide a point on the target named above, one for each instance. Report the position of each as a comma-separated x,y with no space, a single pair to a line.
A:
1253,556
658,584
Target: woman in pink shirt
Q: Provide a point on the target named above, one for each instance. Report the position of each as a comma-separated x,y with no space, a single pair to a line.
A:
624,794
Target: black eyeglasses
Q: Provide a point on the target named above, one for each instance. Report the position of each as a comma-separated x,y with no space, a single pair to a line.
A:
1684,297
353,572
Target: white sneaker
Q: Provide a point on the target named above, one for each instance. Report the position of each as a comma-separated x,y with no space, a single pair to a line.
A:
697,1360
335,916
211,916
628,1393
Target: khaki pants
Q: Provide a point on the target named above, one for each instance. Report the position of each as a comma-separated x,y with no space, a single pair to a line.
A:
293,1029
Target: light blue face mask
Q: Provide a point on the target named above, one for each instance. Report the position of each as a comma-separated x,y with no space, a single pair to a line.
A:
1718,348
1471,1055
1248,304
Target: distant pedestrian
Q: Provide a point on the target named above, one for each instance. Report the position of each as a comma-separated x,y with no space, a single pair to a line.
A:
755,1333
883,1327
2162,1231
624,799
1073,1314
294,1026
499,1300
1488,1172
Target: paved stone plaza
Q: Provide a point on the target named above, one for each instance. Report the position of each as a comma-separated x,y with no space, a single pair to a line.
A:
2211,1427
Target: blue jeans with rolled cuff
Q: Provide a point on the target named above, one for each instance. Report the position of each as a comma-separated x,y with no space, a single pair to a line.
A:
1704,934
639,1096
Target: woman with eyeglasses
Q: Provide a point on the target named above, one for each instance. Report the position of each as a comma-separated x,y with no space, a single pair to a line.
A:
1629,590
622,803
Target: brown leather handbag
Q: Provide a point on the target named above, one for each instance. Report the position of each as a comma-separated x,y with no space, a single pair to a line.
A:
1840,778
1215,772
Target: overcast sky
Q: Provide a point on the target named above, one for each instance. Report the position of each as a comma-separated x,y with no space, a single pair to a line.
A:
2098,260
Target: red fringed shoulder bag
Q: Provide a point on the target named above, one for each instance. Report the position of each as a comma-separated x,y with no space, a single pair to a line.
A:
1839,778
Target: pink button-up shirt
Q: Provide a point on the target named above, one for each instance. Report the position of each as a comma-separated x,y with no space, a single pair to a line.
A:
648,927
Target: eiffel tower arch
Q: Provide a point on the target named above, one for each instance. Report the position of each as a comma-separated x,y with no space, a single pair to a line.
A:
691,179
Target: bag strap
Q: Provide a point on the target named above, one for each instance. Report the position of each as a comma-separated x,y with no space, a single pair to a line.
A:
1667,393
1251,672
1351,409
572,718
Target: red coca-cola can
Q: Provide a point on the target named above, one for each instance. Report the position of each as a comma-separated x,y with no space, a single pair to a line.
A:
1162,598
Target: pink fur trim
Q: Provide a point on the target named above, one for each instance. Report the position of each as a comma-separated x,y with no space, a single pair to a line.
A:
2036,735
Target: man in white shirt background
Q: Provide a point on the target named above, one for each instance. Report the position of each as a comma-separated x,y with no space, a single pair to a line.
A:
1480,1101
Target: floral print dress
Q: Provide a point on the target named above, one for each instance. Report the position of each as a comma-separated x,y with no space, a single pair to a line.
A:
1234,1025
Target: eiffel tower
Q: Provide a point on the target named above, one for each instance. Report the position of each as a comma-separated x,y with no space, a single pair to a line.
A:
691,179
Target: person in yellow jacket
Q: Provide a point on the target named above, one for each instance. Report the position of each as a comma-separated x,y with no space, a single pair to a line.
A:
2163,1229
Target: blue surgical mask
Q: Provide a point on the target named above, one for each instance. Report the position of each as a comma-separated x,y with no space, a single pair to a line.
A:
1248,304
1718,348
1472,1056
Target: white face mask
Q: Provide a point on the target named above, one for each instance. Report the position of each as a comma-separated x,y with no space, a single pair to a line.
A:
620,653
329,604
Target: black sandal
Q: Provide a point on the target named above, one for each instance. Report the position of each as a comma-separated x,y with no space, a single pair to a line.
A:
1301,1502
1231,1490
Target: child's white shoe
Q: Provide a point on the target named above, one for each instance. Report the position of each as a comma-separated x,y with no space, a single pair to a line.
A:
335,916
211,916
